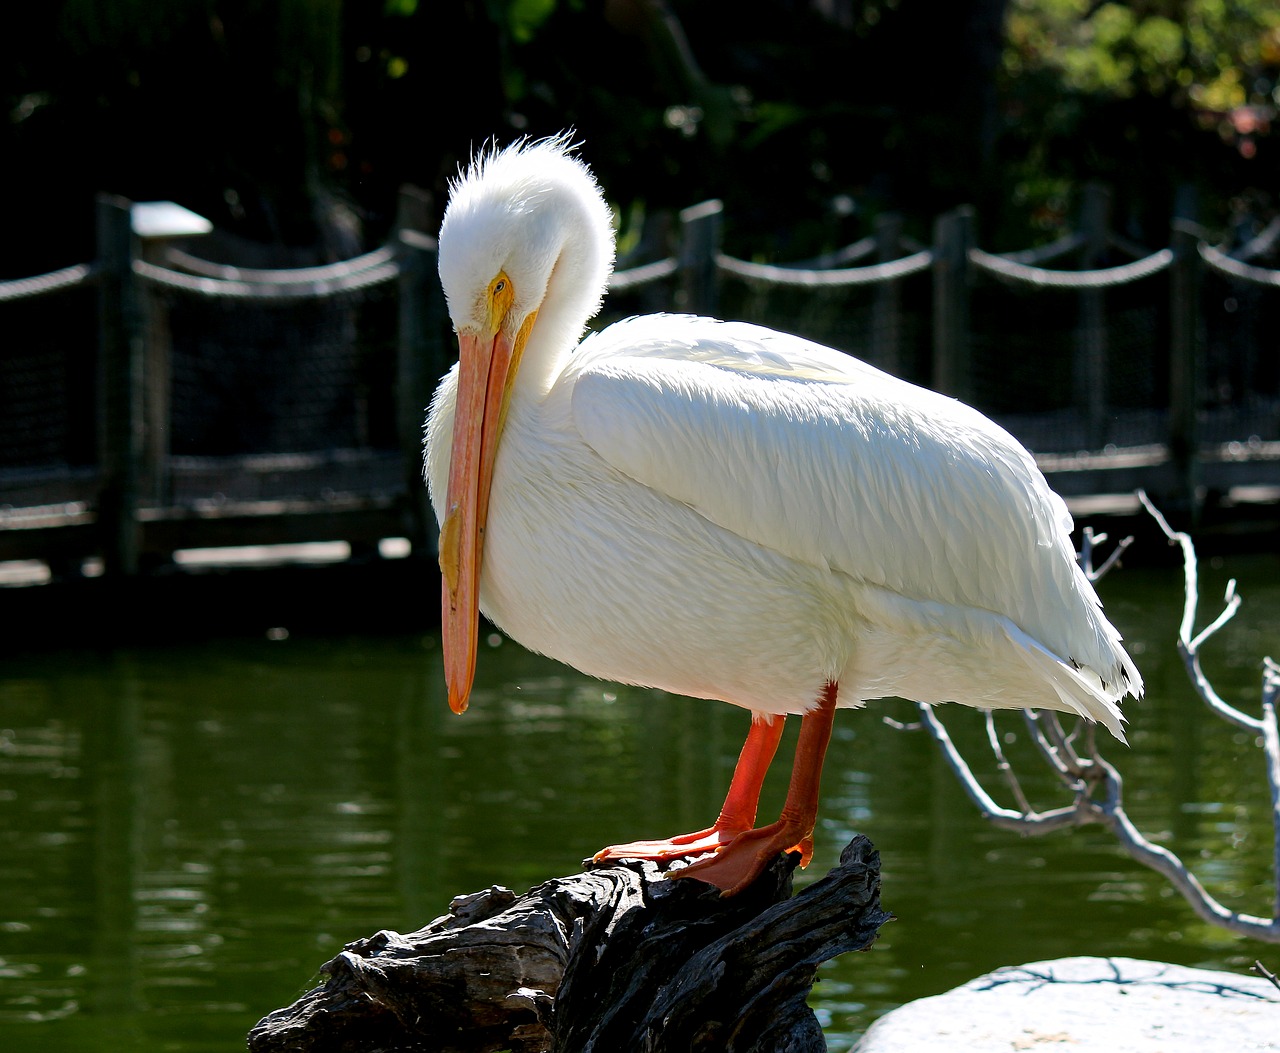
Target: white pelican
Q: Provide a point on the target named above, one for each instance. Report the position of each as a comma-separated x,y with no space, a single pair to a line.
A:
724,511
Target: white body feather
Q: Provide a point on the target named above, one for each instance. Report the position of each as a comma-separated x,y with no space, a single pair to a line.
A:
724,511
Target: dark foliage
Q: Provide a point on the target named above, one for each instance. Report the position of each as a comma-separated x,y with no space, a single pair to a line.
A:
293,122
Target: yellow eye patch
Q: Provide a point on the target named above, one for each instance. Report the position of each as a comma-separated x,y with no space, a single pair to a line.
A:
500,295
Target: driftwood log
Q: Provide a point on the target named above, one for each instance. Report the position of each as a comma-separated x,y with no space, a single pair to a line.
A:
614,959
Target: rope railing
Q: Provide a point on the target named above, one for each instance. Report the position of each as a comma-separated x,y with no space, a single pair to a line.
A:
642,275
416,239
197,276
1261,244
1063,246
839,257
281,288
1217,260
184,261
771,274
44,284
1014,273
191,274
946,349
1122,244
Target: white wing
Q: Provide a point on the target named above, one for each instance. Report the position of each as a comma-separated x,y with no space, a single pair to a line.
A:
829,461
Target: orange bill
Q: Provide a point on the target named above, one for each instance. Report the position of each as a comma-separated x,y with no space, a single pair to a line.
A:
483,377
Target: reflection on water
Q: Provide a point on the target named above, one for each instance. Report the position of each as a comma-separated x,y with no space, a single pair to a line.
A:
187,832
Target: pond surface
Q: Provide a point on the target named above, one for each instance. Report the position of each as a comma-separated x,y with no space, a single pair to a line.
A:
187,832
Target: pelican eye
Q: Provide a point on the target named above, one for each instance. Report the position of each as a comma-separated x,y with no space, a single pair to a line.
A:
500,294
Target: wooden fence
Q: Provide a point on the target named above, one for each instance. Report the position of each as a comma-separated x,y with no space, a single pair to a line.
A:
133,497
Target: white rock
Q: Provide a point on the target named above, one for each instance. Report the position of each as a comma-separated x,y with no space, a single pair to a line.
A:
1083,1005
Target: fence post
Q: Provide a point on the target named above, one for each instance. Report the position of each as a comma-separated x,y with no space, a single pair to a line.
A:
120,388
422,357
1185,365
700,232
886,312
952,354
156,225
1091,329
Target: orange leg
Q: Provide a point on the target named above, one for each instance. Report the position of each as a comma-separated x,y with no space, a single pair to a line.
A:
739,862
736,817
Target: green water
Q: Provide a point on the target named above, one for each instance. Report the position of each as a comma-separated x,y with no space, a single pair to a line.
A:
186,833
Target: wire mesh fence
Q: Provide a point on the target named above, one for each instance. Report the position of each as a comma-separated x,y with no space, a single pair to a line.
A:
281,377
161,380
1241,354
47,379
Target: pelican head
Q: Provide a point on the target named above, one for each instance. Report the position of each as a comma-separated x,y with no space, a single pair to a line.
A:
527,239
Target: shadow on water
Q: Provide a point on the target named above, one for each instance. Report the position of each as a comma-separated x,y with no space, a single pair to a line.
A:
187,831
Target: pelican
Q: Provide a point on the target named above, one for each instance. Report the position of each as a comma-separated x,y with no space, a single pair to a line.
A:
724,511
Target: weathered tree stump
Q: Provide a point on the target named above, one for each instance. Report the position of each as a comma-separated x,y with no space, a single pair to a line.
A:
615,958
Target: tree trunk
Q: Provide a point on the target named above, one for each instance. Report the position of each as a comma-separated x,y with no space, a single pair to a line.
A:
615,958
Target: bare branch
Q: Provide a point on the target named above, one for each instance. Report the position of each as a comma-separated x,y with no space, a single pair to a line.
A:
1005,768
1048,751
1232,602
1169,866
1177,537
1090,542
1005,818
1088,539
1187,645
1266,973
1271,750
1052,723
1096,784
